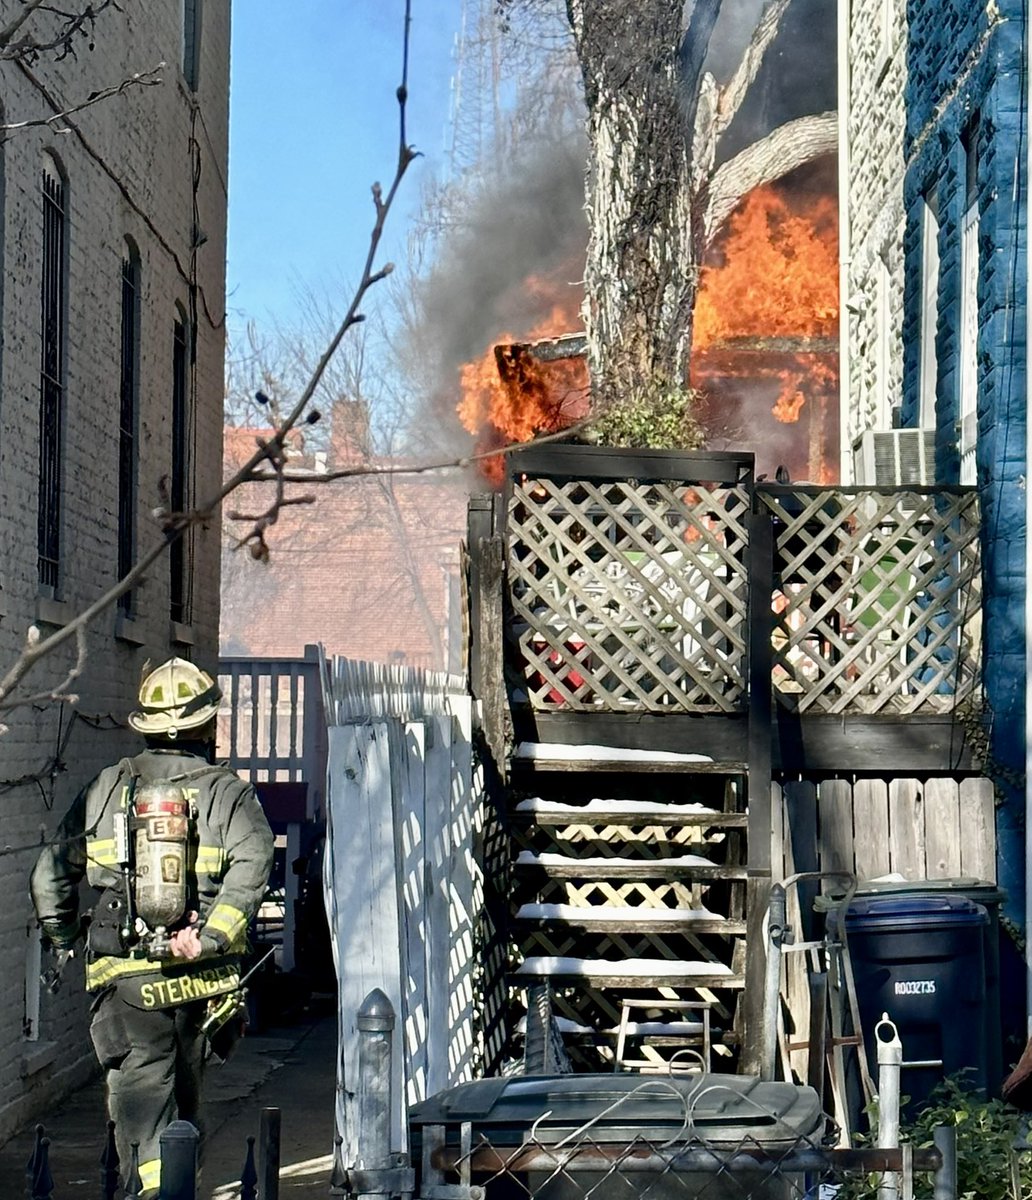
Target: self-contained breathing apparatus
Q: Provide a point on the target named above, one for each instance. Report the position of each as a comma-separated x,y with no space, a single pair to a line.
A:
152,842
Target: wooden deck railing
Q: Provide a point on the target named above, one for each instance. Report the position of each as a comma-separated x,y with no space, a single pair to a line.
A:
632,579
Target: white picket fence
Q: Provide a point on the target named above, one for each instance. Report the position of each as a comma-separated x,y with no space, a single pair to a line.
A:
401,883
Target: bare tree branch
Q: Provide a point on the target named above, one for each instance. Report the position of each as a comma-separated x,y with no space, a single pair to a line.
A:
783,149
736,88
9,31
62,39
449,464
149,78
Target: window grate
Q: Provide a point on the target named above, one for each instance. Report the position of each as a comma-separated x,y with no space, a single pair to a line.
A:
179,490
51,393
127,414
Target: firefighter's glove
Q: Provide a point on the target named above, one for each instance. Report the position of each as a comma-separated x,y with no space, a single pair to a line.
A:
61,936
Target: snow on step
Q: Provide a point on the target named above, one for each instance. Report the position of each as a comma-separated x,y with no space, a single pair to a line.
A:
528,858
558,752
585,916
657,1029
564,1025
645,968
645,807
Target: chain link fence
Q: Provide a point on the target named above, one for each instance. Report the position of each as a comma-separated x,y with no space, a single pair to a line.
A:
608,1158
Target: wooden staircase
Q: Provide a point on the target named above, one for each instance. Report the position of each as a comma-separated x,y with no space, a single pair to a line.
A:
630,885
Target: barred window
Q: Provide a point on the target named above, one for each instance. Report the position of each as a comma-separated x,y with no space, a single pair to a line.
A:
52,375
179,490
192,42
128,408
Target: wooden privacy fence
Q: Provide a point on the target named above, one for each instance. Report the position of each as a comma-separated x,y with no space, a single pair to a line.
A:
938,828
401,884
632,582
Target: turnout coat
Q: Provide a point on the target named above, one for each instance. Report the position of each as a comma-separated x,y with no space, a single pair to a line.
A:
228,862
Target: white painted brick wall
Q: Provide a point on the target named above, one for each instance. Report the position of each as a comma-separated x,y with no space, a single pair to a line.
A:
877,67
128,175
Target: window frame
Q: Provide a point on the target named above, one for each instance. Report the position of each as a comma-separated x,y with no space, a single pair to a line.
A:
128,420
53,375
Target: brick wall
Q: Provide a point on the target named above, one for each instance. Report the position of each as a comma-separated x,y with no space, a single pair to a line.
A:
129,171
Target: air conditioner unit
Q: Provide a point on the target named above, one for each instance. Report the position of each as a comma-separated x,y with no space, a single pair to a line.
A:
894,457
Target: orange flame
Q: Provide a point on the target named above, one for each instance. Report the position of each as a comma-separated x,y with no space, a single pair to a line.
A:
776,274
510,396
770,289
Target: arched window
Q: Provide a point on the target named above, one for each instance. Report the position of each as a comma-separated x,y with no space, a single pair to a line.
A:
53,310
128,416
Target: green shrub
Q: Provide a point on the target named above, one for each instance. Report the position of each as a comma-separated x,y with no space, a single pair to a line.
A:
656,416
988,1165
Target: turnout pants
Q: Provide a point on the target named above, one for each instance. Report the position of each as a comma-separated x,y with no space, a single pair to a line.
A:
154,1064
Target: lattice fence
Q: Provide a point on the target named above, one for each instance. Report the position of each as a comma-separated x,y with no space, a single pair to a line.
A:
633,596
627,595
877,597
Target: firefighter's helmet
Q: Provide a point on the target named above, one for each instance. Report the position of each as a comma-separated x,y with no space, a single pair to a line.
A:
175,697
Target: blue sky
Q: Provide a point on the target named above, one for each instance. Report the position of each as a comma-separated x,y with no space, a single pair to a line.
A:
313,123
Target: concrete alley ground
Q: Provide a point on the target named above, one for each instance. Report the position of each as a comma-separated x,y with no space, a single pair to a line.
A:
290,1067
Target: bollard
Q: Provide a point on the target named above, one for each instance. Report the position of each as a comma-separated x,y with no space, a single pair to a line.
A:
338,1176
375,1060
269,1154
43,1184
133,1183
179,1143
109,1165
249,1176
890,1061
945,1138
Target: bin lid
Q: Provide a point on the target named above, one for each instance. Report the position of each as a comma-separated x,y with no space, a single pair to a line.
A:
982,890
901,910
623,1106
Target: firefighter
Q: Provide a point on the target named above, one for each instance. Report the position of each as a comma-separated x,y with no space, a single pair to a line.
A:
180,851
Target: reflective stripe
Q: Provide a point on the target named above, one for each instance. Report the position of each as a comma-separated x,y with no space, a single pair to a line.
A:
210,859
150,1172
227,920
101,851
103,970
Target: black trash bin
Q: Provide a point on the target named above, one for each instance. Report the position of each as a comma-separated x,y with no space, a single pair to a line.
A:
991,897
921,958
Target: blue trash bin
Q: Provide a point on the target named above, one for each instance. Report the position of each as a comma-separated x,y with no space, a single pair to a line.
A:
921,957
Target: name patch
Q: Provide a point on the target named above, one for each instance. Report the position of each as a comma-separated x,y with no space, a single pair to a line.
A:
199,985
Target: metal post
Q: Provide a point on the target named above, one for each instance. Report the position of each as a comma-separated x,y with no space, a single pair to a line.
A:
133,1182
249,1175
109,1165
35,1158
890,1060
375,1060
43,1183
178,1154
945,1138
269,1154
776,921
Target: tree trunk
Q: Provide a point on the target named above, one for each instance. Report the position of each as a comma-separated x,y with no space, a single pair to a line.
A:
655,196
639,294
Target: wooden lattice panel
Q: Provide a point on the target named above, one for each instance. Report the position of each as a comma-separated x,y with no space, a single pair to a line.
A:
627,596
877,598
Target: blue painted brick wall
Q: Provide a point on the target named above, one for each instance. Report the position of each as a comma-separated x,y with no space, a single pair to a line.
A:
965,70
